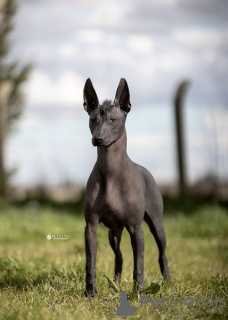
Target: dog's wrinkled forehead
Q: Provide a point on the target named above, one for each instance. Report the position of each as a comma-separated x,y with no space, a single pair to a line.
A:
106,107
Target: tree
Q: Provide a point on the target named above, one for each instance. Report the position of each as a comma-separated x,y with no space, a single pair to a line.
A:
12,77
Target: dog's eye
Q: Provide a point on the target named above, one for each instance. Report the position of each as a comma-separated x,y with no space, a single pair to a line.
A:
93,120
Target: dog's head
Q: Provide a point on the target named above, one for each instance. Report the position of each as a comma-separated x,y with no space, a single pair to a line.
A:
107,121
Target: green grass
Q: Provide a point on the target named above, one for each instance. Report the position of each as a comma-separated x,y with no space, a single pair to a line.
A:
45,279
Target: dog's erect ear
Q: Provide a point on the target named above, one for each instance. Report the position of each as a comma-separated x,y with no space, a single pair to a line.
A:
90,97
122,99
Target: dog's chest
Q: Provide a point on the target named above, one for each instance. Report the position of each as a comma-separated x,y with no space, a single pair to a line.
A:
117,204
112,206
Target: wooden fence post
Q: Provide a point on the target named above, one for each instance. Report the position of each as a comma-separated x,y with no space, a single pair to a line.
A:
180,136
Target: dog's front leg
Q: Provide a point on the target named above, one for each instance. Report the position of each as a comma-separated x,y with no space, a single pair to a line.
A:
137,242
91,253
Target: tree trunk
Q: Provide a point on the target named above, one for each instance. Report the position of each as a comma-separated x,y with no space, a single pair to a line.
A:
5,89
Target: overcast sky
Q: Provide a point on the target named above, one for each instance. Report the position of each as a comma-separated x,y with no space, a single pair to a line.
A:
153,44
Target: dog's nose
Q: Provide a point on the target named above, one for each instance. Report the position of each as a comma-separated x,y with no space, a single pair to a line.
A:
98,140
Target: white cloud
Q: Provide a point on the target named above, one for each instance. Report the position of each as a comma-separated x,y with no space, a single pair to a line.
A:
63,91
196,37
175,60
91,36
109,14
140,44
67,50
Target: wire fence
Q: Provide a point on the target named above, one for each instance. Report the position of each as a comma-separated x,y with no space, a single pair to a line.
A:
152,143
206,126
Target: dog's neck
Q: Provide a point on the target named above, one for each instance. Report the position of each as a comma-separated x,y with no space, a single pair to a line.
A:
112,159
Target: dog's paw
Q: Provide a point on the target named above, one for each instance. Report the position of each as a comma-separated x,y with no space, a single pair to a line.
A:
90,293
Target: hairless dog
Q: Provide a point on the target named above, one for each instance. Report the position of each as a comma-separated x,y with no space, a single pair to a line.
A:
119,192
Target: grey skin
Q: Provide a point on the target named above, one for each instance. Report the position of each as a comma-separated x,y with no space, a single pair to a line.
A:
119,192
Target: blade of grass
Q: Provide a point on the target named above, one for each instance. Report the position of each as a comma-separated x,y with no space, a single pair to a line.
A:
112,284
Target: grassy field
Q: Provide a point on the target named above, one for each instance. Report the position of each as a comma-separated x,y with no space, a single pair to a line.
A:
44,279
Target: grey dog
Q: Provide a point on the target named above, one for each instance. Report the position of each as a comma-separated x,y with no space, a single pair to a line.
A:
119,192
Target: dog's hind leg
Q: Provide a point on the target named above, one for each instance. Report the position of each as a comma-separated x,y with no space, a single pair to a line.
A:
156,226
114,240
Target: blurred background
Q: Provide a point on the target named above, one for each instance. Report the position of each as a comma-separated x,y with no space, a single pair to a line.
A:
173,55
